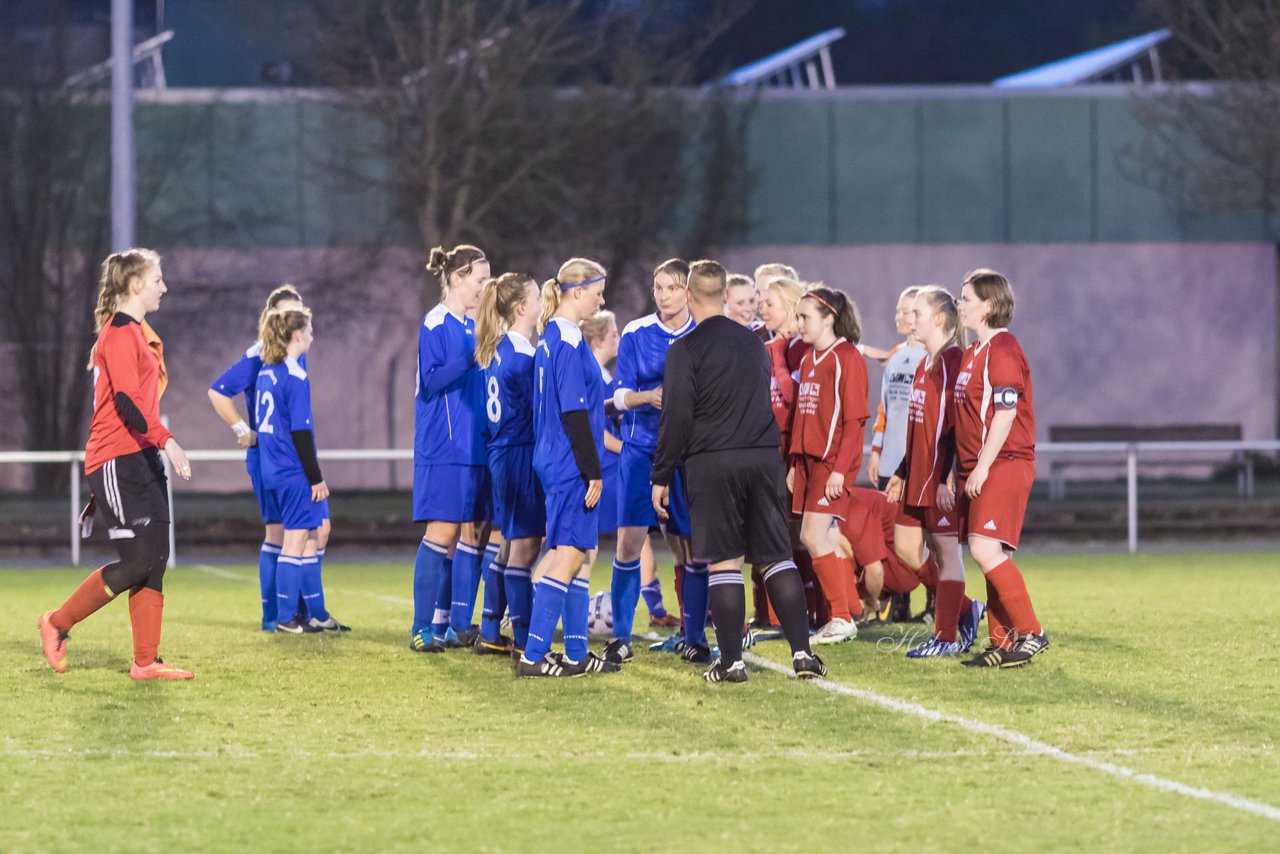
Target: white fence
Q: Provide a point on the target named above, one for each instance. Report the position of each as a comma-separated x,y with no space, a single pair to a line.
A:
1090,453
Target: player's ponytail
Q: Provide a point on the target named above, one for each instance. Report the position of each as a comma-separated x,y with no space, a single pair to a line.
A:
550,303
278,331
943,303
118,272
833,303
497,311
443,264
284,293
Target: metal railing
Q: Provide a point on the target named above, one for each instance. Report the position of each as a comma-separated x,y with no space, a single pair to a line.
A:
1094,452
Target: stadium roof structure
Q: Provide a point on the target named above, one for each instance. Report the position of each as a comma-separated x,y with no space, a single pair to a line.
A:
805,65
1122,61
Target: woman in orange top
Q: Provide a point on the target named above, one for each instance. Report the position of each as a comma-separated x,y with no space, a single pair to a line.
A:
122,464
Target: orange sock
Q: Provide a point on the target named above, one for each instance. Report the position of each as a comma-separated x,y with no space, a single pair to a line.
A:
146,613
832,578
999,626
1013,594
91,595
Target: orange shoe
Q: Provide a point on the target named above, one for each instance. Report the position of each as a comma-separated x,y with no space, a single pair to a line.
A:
54,642
158,670
666,621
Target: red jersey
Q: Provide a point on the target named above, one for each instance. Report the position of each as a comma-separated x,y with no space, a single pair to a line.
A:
869,526
124,362
930,427
784,366
993,376
831,408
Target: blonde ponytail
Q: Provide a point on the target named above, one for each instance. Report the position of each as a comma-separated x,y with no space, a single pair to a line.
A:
573,272
550,303
499,299
278,331
118,272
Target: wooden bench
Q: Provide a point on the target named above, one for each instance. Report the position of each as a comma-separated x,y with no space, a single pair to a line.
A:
1129,433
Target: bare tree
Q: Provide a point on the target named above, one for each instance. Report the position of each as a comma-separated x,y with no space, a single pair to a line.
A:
1215,145
538,130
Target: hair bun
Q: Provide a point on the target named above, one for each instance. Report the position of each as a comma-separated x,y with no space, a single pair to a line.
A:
437,259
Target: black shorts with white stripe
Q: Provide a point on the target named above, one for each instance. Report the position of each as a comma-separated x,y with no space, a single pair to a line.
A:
132,492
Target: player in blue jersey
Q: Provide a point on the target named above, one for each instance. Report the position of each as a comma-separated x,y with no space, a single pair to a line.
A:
450,471
290,469
568,426
242,377
601,332
642,355
506,332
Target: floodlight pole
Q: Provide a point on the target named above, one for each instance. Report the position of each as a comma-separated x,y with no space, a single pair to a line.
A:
123,202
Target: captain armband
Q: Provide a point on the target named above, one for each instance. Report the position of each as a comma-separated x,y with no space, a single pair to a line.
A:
1005,397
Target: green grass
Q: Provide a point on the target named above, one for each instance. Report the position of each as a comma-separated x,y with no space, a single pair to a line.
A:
1164,664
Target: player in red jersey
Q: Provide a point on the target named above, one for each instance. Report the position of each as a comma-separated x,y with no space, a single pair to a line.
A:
995,458
868,533
761,277
826,445
921,486
123,467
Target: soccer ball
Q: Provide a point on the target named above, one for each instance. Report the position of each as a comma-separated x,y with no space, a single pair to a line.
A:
600,614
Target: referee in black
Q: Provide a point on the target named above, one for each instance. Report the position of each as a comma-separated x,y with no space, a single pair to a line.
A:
718,422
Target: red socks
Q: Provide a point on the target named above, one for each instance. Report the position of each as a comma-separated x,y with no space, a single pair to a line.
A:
999,626
831,575
1007,580
947,607
146,612
680,588
91,595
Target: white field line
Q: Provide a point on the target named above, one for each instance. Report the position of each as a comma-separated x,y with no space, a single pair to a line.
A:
240,576
1030,746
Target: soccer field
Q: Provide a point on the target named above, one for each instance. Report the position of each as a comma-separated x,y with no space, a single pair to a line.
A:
1150,724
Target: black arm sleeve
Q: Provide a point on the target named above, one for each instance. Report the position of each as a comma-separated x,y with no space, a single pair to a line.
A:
305,443
129,413
902,469
577,426
676,423
947,452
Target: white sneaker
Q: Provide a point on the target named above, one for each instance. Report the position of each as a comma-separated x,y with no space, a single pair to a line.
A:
836,631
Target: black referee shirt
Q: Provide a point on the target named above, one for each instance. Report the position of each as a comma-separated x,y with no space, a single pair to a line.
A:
715,395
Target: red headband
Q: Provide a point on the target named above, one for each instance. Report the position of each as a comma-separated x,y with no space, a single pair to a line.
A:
821,300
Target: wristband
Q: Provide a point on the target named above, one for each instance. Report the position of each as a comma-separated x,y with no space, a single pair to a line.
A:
240,428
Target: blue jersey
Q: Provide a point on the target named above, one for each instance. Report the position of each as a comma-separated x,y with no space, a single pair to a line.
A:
568,379
242,377
642,355
609,465
282,404
508,393
449,410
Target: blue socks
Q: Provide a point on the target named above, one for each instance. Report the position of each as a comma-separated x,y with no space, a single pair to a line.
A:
519,585
576,604
652,593
695,603
267,581
466,580
495,599
625,593
427,569
444,596
288,584
548,604
312,589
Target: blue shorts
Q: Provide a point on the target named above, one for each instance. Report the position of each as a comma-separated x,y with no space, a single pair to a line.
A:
609,497
635,494
266,504
297,511
519,506
451,493
569,522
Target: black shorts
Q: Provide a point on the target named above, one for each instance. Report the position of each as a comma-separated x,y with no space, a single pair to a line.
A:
131,492
737,505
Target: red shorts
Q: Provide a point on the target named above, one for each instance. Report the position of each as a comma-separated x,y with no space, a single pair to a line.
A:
933,520
809,489
1000,508
898,578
